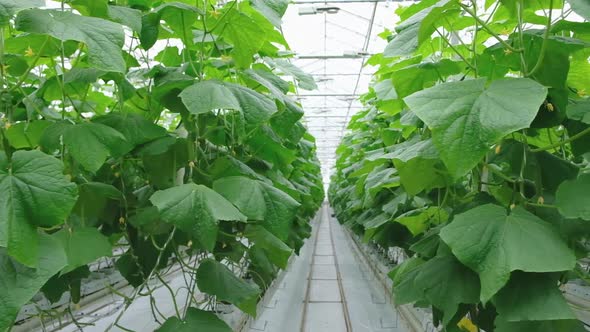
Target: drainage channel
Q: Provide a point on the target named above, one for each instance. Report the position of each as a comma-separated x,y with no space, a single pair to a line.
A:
325,307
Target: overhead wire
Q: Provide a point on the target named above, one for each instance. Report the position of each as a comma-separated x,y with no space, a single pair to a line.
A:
363,62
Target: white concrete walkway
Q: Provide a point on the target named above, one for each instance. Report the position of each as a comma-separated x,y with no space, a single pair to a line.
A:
327,288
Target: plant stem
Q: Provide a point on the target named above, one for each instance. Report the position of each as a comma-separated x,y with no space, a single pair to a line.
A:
455,50
489,30
473,45
545,42
24,76
569,140
2,66
549,206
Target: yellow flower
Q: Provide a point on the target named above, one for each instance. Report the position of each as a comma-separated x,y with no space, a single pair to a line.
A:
29,52
550,107
507,51
582,93
7,125
226,58
505,31
122,220
541,200
467,325
215,13
498,149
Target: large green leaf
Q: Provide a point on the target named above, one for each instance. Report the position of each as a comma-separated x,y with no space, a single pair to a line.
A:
416,29
243,32
34,193
418,76
195,320
267,145
419,220
55,287
21,43
230,166
418,165
196,210
96,204
216,279
146,254
442,281
578,76
163,158
380,178
573,199
513,5
126,16
11,7
276,85
521,299
179,16
105,39
275,249
18,283
136,128
563,325
260,201
522,307
83,246
206,96
385,90
552,73
26,134
581,7
494,244
96,8
273,10
306,81
91,143
580,111
286,122
466,117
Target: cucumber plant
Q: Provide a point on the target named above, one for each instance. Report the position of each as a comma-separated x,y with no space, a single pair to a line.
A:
162,128
473,155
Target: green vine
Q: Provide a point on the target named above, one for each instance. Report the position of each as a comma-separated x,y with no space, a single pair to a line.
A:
122,132
475,165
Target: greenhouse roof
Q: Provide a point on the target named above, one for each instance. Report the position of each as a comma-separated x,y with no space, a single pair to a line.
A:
333,40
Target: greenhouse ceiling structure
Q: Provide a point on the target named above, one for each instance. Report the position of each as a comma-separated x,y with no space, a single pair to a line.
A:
333,41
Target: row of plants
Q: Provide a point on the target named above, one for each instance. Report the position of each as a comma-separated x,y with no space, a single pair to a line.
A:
158,127
473,156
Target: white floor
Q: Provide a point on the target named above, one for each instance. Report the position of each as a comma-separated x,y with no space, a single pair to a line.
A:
327,288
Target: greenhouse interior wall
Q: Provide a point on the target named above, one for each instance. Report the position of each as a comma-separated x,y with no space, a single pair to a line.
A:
295,165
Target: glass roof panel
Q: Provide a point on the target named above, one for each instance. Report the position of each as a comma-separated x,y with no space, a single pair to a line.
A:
334,47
